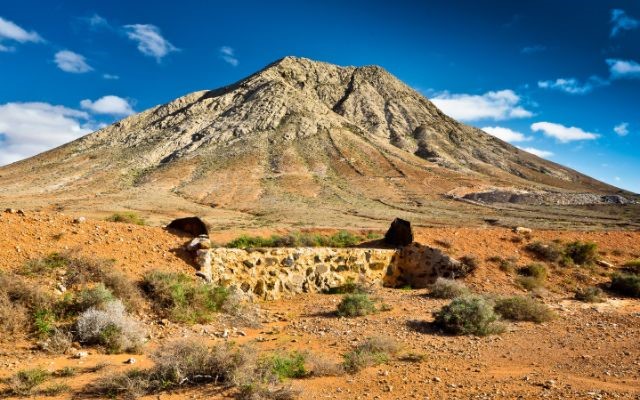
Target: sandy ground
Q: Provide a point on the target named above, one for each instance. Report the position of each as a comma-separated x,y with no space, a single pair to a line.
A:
588,352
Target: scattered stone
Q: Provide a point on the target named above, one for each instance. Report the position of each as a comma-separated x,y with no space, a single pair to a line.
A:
81,354
520,230
130,361
79,220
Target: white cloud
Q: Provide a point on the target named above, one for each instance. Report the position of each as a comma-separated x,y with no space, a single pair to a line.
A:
150,40
97,21
228,55
622,129
621,69
621,21
11,31
69,61
31,128
506,134
617,178
498,105
111,105
562,133
572,85
537,152
538,48
110,77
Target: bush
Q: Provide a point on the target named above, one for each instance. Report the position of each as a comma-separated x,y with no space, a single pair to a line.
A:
284,366
545,252
632,267
321,366
13,317
521,308
111,327
626,284
468,315
470,263
536,271
181,298
373,351
127,217
507,265
192,363
447,289
95,297
355,305
298,239
54,390
23,382
42,266
581,253
590,295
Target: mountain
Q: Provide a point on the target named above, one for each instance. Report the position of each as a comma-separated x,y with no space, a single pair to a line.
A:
310,143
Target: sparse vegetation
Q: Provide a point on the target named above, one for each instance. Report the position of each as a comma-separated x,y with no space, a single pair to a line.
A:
300,239
111,327
444,243
581,253
45,265
529,282
447,289
522,308
373,351
349,287
24,382
356,305
590,294
626,284
127,217
468,315
546,252
322,366
632,267
469,262
283,365
181,298
535,270
192,363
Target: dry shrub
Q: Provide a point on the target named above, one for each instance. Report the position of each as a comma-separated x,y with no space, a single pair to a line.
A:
590,294
545,251
468,315
319,365
111,327
24,382
373,351
356,305
521,308
59,342
447,289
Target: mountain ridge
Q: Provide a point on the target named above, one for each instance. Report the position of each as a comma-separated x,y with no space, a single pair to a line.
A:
296,134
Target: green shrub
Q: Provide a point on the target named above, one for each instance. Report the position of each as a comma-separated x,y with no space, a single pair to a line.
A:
632,267
43,322
468,315
626,284
590,295
447,289
349,287
470,262
23,382
298,239
96,297
505,264
127,217
181,298
54,390
521,308
582,253
373,351
284,366
355,305
529,282
537,271
45,265
545,252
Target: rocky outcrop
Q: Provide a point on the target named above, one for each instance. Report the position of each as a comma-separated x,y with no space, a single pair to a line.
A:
399,233
270,273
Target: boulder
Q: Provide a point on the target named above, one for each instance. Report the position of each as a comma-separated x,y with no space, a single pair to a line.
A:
192,225
399,233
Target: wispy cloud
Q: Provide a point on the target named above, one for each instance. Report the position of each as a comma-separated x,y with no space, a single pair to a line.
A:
622,129
537,48
563,133
31,128
623,69
506,134
498,105
110,77
621,21
150,40
96,21
10,31
69,61
110,105
228,55
537,152
573,85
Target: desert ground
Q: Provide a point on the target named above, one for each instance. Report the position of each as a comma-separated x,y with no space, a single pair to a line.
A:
586,351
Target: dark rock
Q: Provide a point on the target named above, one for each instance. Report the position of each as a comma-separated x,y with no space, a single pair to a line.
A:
192,225
399,233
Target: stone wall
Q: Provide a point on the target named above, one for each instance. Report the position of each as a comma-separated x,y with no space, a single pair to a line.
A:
269,273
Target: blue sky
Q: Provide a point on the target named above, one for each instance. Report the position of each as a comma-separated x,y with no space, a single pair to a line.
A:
561,79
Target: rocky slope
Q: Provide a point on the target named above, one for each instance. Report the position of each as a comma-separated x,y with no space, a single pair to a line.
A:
300,142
